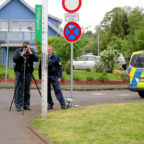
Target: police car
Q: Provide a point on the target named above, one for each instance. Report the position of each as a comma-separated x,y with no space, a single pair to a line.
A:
136,73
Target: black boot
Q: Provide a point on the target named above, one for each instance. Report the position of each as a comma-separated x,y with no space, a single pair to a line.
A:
50,107
64,106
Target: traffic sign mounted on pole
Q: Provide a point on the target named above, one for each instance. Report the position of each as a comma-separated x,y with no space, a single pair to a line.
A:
71,6
71,17
72,31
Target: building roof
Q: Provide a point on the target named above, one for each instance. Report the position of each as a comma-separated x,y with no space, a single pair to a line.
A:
29,7
33,10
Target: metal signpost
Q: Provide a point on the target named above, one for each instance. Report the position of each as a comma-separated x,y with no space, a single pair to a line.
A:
72,32
44,57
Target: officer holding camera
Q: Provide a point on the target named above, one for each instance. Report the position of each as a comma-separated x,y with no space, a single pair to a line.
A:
23,54
54,77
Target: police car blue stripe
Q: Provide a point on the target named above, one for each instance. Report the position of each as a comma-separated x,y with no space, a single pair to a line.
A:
136,75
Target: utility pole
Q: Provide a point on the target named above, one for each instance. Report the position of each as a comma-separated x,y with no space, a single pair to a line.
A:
44,57
98,41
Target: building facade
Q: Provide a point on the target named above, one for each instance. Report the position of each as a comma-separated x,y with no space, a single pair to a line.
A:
17,24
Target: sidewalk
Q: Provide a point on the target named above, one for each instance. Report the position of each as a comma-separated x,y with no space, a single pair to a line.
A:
75,87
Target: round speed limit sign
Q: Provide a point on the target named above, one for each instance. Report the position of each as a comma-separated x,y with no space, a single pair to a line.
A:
71,6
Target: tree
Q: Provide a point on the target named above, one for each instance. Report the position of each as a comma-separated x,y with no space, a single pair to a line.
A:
63,48
140,37
134,19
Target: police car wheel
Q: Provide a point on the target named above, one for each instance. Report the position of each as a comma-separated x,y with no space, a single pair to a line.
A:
141,94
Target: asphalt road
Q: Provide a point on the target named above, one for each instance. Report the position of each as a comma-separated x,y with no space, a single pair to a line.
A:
12,124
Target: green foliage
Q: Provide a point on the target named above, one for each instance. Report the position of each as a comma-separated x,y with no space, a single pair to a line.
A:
101,124
99,67
67,68
2,75
134,19
76,77
103,77
140,37
108,59
121,29
64,76
124,76
117,66
63,48
88,70
116,72
38,45
90,78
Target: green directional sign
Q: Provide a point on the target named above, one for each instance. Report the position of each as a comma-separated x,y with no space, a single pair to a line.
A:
38,23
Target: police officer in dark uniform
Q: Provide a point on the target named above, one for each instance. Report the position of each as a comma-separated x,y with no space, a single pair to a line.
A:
18,59
54,77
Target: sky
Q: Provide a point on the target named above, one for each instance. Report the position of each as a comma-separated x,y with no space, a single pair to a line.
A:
91,12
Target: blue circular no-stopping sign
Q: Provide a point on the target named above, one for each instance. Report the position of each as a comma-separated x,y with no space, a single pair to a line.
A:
72,31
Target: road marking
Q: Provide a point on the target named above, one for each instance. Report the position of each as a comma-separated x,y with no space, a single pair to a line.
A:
97,93
123,95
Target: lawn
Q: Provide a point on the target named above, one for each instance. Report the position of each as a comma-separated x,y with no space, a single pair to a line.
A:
102,124
11,73
78,74
82,75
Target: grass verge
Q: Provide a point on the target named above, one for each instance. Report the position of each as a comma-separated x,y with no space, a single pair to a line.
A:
103,124
80,74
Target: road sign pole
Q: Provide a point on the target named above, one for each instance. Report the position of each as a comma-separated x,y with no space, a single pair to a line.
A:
72,32
44,57
71,70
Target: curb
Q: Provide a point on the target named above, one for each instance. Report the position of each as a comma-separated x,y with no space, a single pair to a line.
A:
75,87
36,133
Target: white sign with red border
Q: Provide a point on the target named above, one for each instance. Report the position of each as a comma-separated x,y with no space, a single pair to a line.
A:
71,6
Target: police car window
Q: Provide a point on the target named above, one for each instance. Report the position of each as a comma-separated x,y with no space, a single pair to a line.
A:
138,61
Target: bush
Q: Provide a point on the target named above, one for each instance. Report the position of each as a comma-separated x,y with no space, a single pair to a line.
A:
2,75
75,77
109,58
117,66
99,67
103,77
117,73
89,78
88,69
67,68
64,76
124,76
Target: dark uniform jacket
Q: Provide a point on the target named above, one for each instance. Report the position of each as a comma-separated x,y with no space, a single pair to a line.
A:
54,66
19,60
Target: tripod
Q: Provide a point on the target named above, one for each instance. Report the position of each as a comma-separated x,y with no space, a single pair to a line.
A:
19,78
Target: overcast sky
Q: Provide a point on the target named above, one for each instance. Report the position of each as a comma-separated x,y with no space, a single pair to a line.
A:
91,13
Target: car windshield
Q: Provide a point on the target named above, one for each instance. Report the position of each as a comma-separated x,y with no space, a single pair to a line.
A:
82,58
91,58
138,61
